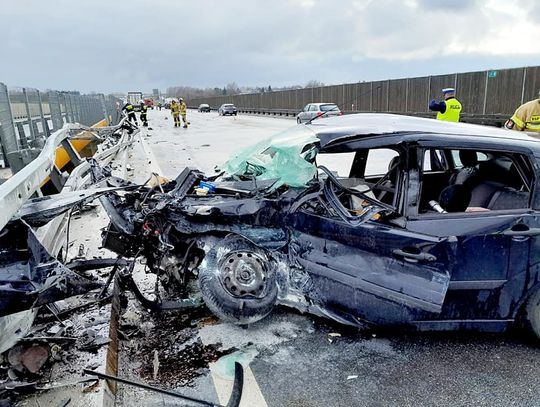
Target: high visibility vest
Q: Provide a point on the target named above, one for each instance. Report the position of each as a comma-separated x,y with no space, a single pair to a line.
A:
182,107
129,108
144,109
453,109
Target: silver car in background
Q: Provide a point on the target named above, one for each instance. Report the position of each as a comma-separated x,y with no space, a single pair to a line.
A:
227,109
314,110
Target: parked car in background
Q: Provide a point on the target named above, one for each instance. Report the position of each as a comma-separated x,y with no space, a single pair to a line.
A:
314,110
204,107
227,109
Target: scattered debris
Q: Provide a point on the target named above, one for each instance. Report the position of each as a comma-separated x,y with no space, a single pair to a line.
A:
350,377
156,365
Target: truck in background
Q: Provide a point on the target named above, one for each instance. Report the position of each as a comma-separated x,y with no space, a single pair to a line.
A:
135,99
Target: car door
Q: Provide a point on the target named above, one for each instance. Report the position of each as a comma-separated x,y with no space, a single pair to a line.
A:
302,114
313,111
373,269
492,253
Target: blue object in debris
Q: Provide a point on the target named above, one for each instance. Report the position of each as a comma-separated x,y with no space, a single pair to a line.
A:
211,187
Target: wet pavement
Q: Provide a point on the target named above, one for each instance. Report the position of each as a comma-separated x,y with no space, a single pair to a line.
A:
301,361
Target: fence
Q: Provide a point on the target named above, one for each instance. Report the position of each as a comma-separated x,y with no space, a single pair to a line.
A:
493,92
28,117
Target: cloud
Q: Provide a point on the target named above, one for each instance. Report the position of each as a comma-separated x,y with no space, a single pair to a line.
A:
117,46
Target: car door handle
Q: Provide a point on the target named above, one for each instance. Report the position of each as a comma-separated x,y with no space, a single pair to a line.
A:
521,230
414,257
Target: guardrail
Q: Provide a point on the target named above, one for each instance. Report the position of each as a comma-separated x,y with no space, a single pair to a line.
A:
28,117
496,120
25,183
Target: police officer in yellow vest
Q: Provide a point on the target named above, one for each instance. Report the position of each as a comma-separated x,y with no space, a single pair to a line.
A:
449,109
526,117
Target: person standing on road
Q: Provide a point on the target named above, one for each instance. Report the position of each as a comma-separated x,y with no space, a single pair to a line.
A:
448,109
175,110
143,117
526,117
130,111
159,105
183,112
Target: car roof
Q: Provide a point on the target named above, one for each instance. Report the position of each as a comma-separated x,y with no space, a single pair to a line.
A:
322,103
332,130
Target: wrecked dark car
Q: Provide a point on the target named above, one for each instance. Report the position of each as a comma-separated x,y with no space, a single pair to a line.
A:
365,219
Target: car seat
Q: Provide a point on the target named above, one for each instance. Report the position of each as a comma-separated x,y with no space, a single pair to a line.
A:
469,173
455,198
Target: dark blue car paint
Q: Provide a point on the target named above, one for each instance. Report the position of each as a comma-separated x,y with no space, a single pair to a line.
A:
478,276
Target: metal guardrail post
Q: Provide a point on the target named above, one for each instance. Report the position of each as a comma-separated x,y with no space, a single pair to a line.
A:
522,100
46,130
56,110
78,108
8,136
22,135
29,115
104,107
70,118
485,93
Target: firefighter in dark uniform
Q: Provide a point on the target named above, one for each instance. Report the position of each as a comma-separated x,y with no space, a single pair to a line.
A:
130,111
144,110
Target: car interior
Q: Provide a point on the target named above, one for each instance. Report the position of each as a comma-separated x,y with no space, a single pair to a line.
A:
374,172
452,180
474,181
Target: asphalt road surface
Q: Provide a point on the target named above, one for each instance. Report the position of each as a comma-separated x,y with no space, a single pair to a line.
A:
297,360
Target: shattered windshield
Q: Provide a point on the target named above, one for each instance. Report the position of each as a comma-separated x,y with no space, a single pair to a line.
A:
287,157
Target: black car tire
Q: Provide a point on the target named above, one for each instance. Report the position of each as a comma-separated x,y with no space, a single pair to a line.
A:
236,114
219,299
298,120
532,313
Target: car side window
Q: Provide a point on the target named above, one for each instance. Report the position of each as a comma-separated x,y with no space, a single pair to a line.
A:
339,163
373,173
313,108
306,108
479,181
380,161
457,161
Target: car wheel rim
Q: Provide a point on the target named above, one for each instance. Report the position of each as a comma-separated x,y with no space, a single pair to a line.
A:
244,274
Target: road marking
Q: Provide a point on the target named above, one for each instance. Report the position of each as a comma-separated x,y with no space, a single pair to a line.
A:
251,396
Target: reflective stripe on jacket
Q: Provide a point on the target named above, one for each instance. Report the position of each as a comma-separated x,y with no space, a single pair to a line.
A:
453,109
182,108
527,116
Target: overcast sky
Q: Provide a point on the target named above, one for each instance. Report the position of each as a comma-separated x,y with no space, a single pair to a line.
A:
108,45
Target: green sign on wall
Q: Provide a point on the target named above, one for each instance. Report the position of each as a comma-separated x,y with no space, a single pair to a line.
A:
492,74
